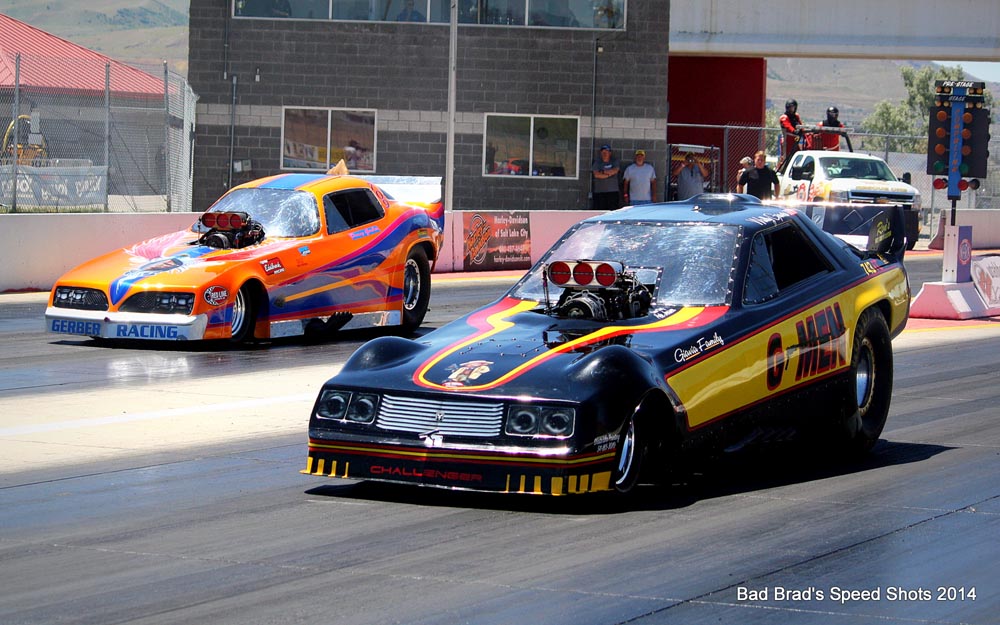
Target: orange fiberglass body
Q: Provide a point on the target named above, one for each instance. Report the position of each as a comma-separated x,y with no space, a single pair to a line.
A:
272,257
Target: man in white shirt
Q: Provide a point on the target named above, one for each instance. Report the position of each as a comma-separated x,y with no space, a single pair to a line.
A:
640,181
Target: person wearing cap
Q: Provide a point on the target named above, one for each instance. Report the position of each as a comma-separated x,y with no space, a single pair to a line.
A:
691,177
640,181
605,184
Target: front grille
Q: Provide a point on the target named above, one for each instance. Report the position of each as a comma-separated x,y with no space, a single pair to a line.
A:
159,302
80,298
449,418
882,197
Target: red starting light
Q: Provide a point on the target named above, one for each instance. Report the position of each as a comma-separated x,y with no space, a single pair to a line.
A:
559,272
583,273
963,185
940,183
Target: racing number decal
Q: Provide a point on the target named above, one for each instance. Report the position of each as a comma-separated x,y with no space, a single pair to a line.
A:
821,347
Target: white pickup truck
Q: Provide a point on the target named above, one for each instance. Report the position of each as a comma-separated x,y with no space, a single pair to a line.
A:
830,176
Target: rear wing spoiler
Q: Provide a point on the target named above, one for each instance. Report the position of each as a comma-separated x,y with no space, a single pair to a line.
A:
423,191
874,229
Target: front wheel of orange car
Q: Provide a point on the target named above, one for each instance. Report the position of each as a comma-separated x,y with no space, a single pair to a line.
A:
416,289
871,371
242,320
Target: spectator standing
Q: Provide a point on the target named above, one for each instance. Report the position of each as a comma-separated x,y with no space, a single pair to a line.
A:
605,172
746,163
759,180
829,140
640,181
789,134
409,14
691,177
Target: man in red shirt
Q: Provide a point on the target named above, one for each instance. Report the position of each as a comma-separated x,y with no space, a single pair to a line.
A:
789,135
829,140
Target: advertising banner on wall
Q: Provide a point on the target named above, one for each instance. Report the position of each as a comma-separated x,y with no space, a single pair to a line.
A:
54,187
495,241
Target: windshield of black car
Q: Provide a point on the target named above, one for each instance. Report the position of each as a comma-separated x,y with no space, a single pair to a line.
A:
683,264
282,212
851,167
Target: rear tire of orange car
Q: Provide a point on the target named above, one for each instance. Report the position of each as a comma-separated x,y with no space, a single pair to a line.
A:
632,451
871,371
244,316
416,289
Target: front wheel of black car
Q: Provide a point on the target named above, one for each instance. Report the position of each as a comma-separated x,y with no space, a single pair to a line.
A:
243,319
416,289
631,455
871,371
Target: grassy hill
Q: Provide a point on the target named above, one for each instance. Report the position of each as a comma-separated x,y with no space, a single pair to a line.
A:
133,31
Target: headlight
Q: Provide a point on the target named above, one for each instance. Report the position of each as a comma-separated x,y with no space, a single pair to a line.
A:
840,196
528,420
916,201
347,406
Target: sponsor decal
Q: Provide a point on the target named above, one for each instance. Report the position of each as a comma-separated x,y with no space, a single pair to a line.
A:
367,232
821,348
986,277
216,295
768,218
145,331
684,354
463,373
965,251
272,266
427,474
304,250
69,326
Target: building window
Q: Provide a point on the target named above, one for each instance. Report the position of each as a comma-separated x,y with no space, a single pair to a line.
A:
318,138
531,145
599,14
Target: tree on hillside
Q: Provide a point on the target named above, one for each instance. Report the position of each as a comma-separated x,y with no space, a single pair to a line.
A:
909,118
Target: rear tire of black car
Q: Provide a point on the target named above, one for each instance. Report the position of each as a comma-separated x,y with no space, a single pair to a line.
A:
871,372
632,451
416,289
244,316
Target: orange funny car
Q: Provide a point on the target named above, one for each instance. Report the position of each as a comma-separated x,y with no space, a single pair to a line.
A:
273,257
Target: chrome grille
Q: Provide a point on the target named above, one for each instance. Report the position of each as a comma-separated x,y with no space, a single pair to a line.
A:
80,298
877,197
449,418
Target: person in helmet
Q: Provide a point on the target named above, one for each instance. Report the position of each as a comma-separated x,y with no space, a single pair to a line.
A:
829,140
790,135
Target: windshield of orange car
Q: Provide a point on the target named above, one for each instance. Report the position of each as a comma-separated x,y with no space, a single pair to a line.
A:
863,168
682,264
282,212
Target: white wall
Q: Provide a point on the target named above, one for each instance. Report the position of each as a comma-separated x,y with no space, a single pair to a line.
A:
36,249
962,30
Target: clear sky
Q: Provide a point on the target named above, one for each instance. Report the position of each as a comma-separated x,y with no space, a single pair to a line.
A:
989,72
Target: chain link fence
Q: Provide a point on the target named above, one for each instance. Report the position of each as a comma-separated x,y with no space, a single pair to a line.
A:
904,154
82,135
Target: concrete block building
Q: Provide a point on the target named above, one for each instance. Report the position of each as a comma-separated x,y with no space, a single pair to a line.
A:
295,85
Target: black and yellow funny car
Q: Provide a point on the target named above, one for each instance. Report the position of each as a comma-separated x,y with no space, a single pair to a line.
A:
643,335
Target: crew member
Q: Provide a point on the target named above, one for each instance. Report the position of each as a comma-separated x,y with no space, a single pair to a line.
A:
829,140
790,136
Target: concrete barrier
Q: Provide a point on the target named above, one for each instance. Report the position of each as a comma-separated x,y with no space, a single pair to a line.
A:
985,224
35,249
